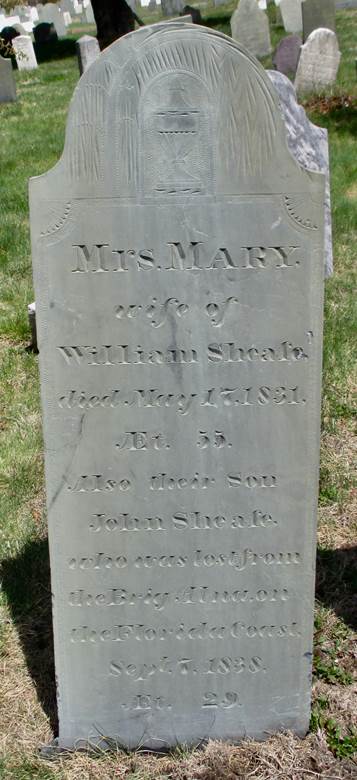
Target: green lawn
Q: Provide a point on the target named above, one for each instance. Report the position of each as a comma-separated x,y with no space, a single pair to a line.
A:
32,140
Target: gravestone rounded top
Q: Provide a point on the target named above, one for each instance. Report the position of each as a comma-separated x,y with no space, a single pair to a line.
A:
8,34
287,53
319,61
117,107
45,32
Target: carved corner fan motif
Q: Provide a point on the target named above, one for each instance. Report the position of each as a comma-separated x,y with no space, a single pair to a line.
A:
236,116
56,217
302,209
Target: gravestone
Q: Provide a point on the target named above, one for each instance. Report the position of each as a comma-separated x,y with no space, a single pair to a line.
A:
171,7
291,14
319,61
24,53
194,13
309,145
31,311
250,27
52,14
287,53
8,34
178,267
89,15
45,32
87,52
7,82
317,13
67,18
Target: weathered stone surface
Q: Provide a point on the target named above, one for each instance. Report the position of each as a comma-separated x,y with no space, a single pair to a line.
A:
291,13
87,52
287,53
309,145
319,61
7,82
250,27
317,13
24,52
178,266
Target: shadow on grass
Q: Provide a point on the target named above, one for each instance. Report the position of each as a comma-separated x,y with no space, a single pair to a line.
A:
336,582
26,583
337,113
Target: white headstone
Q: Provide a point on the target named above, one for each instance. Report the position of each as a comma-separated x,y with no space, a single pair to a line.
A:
309,145
9,21
24,52
88,51
250,27
292,16
51,13
319,61
67,18
7,82
178,267
89,14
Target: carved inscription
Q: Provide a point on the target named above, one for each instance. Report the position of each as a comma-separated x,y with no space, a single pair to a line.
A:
184,403
177,256
201,632
179,328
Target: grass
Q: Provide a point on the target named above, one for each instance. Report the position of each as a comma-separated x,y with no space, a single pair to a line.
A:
32,140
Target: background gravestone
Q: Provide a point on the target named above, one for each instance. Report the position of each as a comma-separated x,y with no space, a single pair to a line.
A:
87,52
45,32
178,267
292,16
286,55
318,63
250,27
7,82
8,34
309,145
52,14
24,52
317,13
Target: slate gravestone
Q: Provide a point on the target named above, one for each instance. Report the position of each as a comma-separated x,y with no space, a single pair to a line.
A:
291,14
287,53
8,34
319,61
7,82
250,27
178,265
309,145
24,53
45,32
194,13
317,13
87,51
171,7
